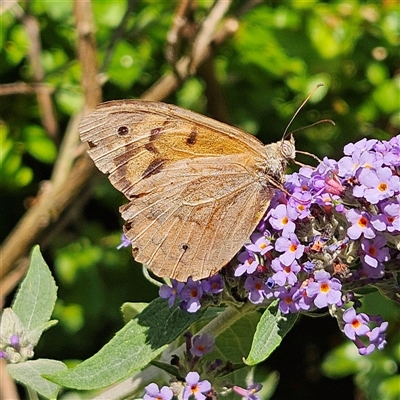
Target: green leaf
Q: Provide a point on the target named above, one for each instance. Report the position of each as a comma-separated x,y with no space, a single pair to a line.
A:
271,329
30,374
38,144
130,310
132,348
36,295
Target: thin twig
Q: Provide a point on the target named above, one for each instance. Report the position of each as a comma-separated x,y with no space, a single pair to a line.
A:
174,36
49,121
169,82
25,88
206,33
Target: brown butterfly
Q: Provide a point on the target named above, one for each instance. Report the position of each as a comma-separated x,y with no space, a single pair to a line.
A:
197,188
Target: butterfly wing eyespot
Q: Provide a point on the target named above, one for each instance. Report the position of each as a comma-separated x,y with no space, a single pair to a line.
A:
122,130
197,188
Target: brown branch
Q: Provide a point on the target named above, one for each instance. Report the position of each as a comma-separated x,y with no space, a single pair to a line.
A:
169,82
48,118
174,36
24,88
66,183
207,30
87,53
12,279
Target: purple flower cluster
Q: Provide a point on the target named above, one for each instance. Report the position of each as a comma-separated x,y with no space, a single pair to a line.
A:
332,230
192,294
193,387
333,226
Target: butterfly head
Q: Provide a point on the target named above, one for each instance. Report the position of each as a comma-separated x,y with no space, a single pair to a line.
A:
288,149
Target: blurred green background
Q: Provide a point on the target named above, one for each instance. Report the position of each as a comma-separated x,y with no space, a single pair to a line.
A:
281,50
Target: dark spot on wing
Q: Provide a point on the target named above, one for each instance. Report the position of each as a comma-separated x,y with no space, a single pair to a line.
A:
135,251
128,226
154,167
123,130
91,144
154,133
191,139
184,247
151,147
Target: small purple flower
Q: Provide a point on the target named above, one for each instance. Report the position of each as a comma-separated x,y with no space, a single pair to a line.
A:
300,202
377,185
15,342
195,388
285,274
286,303
250,393
125,242
361,224
350,166
280,219
153,393
373,272
302,299
374,251
355,324
170,293
377,340
202,344
248,264
255,287
191,295
291,247
361,145
259,244
388,220
214,284
326,289
308,267
377,336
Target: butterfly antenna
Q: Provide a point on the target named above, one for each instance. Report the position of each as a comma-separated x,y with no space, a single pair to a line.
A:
322,121
306,153
298,110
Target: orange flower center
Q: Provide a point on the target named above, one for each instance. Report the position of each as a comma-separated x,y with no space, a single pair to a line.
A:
383,187
324,287
288,300
355,323
363,222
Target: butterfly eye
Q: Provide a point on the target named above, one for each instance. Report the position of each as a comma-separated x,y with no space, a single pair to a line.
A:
288,150
123,130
